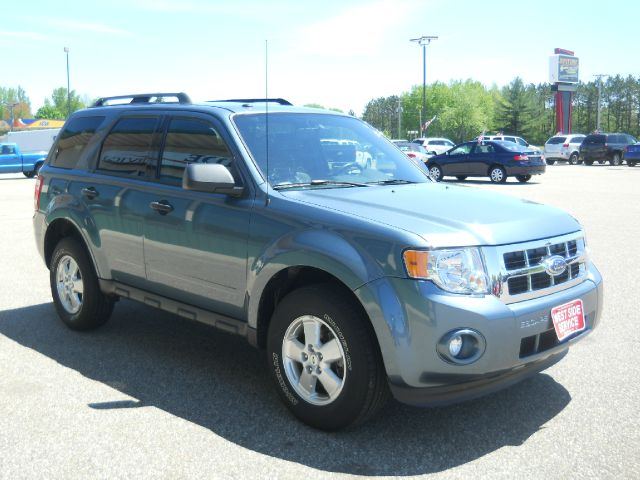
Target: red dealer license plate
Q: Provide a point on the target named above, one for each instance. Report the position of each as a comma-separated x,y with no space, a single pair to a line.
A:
568,319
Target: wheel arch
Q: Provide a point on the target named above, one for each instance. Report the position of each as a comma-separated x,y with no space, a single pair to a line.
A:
57,230
289,279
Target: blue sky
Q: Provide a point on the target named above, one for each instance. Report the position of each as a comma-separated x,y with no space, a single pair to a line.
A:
336,53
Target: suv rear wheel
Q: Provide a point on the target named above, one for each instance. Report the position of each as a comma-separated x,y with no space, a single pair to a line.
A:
323,359
74,287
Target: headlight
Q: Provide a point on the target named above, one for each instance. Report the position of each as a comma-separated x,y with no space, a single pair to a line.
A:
458,270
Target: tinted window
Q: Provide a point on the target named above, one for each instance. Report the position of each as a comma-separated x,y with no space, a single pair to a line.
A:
448,143
614,139
576,140
73,140
483,148
191,141
590,139
8,150
127,150
556,140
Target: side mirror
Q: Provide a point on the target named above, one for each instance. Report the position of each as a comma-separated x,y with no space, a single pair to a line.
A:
210,177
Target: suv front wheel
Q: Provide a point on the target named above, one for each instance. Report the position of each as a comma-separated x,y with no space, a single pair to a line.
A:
323,359
74,287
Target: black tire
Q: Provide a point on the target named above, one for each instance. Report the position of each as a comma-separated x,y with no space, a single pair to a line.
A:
461,177
523,178
29,174
360,373
573,159
615,160
550,162
94,307
498,174
588,162
435,172
631,163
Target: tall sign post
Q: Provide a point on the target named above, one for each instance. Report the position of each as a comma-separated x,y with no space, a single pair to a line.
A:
563,76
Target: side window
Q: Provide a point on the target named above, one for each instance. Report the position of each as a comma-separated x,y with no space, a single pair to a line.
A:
8,150
128,148
521,141
192,141
73,140
461,150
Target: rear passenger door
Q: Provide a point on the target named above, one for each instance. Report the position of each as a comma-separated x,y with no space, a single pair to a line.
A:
116,194
196,243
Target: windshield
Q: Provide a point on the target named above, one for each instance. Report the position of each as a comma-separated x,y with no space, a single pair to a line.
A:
323,151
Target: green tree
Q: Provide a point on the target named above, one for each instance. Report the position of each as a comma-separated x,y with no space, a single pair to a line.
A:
48,111
60,102
382,113
514,109
11,96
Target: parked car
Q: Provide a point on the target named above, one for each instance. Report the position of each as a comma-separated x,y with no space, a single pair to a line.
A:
564,148
512,138
435,144
413,150
356,282
632,154
604,147
494,159
13,160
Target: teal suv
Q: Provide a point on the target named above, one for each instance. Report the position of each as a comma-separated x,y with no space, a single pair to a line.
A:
311,235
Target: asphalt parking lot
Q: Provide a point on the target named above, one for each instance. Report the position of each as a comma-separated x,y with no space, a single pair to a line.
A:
153,396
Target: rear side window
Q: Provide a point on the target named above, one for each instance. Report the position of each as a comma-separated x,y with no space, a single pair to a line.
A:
556,140
593,139
129,150
191,141
73,140
576,140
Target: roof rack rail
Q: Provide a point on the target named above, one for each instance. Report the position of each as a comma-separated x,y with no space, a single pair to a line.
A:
280,101
143,98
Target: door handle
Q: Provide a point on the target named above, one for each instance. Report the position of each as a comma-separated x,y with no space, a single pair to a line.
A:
90,192
162,207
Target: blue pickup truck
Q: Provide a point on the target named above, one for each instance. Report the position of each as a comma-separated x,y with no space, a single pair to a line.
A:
12,160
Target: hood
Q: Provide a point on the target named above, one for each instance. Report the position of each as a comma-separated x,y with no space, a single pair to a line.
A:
445,215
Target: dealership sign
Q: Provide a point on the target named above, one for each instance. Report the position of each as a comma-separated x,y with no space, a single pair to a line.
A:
563,69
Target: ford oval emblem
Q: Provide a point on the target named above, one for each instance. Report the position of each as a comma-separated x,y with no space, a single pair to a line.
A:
554,265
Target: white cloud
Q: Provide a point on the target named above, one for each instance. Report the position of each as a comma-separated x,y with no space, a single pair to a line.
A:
354,31
24,35
84,26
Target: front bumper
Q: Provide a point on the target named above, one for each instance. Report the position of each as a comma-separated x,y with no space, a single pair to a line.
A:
410,317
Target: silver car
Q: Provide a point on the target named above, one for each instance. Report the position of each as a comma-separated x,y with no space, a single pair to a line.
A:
563,148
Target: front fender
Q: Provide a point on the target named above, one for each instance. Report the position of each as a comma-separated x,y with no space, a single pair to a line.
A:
324,250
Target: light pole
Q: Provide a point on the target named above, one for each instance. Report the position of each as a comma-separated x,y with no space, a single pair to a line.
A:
66,50
11,107
599,77
424,41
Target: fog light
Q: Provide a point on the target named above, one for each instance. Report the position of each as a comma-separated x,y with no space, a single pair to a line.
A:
455,345
461,346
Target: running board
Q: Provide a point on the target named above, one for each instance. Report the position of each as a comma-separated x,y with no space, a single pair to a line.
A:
222,322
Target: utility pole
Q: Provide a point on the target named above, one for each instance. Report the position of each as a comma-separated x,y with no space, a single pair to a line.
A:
11,106
424,41
66,50
599,77
399,117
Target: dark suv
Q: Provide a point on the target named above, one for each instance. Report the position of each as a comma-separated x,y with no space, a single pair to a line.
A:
359,279
602,147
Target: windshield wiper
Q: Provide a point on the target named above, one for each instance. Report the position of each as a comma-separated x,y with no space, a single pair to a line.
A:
396,181
313,183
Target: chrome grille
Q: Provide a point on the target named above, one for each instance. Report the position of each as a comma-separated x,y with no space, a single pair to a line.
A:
522,276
